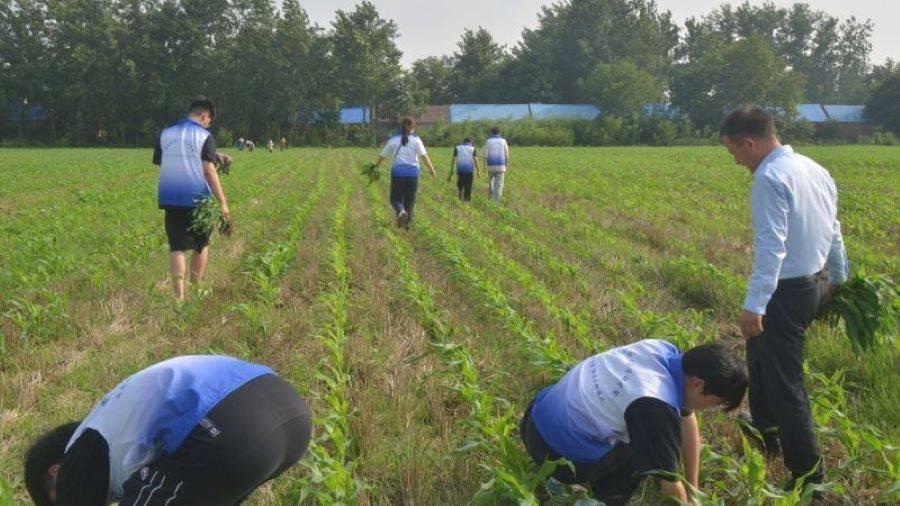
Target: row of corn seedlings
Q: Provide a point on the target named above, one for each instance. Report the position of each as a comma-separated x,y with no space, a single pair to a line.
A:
267,268
491,420
575,323
544,350
330,461
515,233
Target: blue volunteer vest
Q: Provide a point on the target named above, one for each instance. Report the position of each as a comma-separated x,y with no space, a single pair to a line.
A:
405,164
494,152
583,415
152,412
181,179
465,159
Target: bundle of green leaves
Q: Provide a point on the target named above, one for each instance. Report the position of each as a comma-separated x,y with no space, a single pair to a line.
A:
869,307
370,170
207,218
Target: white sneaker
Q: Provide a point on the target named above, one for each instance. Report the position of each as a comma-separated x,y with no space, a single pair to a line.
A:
402,219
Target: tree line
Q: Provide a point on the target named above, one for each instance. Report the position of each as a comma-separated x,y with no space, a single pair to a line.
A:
119,70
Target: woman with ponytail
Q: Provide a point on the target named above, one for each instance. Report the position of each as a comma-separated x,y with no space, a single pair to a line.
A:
404,149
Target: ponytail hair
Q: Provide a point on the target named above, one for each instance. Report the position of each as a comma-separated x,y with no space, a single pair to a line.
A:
408,125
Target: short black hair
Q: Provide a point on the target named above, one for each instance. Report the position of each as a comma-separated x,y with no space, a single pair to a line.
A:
202,104
723,372
467,140
47,450
748,121
495,130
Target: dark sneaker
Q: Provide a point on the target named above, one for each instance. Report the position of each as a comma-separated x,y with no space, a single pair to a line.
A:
402,219
765,440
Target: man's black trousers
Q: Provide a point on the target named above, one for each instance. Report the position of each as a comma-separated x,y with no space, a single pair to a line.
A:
612,478
777,394
464,185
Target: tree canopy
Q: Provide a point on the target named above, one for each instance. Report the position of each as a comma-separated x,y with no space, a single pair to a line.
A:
128,67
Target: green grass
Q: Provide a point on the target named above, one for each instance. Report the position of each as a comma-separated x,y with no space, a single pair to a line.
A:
445,332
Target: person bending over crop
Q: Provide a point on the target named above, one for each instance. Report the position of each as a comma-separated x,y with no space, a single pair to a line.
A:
628,413
465,161
404,149
797,234
191,430
186,155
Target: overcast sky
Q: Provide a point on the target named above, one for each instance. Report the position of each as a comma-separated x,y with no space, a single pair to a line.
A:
433,27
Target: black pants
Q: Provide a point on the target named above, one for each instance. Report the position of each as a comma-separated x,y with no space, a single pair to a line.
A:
612,478
403,194
464,185
250,437
777,391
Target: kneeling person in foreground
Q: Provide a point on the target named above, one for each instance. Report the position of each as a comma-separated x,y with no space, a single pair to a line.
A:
628,412
187,431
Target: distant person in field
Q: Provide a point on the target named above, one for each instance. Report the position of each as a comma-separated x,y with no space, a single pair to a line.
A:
250,145
283,143
628,413
239,144
496,155
188,431
271,146
465,163
186,155
404,150
797,235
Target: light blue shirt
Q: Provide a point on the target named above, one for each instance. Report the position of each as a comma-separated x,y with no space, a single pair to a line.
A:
794,206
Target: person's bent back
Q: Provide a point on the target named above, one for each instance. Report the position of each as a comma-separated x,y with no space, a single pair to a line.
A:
627,413
191,430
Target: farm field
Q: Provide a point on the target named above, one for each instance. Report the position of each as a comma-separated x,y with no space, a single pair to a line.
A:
419,350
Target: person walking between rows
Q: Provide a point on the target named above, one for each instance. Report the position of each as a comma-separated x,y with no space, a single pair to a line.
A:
465,161
404,149
496,155
628,413
186,156
190,430
793,202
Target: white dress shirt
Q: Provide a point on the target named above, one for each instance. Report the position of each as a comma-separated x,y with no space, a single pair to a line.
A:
794,206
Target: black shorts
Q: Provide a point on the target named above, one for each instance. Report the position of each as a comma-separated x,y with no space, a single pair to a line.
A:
250,437
178,221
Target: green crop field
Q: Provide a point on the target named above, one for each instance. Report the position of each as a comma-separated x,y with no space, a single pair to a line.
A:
420,350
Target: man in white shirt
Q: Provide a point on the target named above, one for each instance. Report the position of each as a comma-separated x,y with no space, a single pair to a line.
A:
496,155
797,234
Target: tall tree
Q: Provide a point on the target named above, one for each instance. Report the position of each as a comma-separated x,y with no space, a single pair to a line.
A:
621,88
366,56
744,71
433,77
883,106
476,65
574,36
833,55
